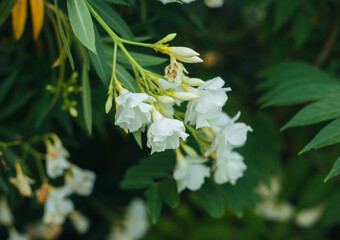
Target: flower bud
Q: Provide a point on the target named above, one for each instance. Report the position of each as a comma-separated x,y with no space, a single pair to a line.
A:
73,112
108,104
189,150
167,38
183,52
194,59
193,81
183,96
165,99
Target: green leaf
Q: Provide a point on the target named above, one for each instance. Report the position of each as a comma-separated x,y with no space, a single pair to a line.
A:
211,199
63,36
302,27
143,59
7,84
111,18
86,95
136,183
232,198
5,9
98,60
81,23
13,107
284,9
138,137
119,2
126,79
334,171
323,110
169,192
154,203
327,136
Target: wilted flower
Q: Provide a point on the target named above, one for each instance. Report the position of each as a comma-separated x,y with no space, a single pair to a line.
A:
40,230
6,217
57,207
271,210
229,169
80,222
43,192
208,105
56,162
136,223
22,182
81,181
308,217
133,110
190,172
15,235
164,133
214,3
174,71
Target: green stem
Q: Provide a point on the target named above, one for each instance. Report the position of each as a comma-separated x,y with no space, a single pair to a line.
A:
149,45
10,144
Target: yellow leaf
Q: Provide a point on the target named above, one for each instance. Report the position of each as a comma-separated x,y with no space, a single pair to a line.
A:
37,12
60,59
19,16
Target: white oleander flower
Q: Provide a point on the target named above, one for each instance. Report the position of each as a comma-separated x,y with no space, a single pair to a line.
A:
185,54
269,192
171,1
80,222
136,223
166,85
281,212
133,110
209,105
81,181
308,217
214,3
231,136
190,173
15,235
56,162
22,182
57,206
164,133
166,109
6,217
229,168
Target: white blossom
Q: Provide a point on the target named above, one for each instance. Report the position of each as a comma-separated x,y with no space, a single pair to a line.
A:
281,212
6,217
229,168
56,162
171,1
57,206
208,105
15,235
190,173
308,217
136,223
164,133
133,110
22,182
80,222
214,3
81,181
166,85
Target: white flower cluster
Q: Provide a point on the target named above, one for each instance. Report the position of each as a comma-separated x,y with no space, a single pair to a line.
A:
77,181
216,133
209,3
135,224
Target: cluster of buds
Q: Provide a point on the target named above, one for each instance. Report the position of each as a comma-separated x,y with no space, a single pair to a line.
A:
154,110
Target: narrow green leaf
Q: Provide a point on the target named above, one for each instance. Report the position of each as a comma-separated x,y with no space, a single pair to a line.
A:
169,192
327,136
5,9
323,110
111,18
86,96
210,198
7,84
233,199
81,23
119,2
62,34
138,137
334,171
98,60
126,79
143,59
13,107
284,10
154,203
302,27
136,183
